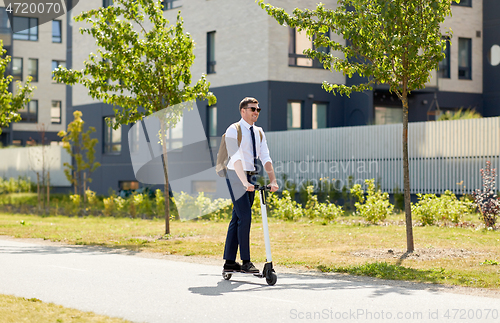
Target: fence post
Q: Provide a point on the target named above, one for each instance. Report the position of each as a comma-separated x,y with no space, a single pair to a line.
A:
48,191
38,189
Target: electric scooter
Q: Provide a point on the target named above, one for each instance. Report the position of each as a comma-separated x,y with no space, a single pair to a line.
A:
267,272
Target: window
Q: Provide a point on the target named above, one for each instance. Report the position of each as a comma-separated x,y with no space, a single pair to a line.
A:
134,137
25,28
17,142
319,115
55,112
4,24
112,139
463,3
299,42
171,4
107,3
444,65
29,114
17,69
211,52
174,136
128,185
204,186
464,58
56,31
56,64
494,55
294,115
212,126
388,115
33,68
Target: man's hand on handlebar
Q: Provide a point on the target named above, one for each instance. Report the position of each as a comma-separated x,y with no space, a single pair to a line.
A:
249,187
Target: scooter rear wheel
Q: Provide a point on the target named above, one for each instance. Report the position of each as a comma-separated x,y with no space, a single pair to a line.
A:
271,279
227,276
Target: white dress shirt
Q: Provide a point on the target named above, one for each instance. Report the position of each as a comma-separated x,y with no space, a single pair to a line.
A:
245,151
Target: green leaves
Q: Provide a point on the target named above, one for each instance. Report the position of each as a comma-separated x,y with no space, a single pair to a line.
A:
142,64
76,142
10,102
394,42
375,206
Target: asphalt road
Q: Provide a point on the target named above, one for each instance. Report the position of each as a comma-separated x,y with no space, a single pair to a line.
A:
143,289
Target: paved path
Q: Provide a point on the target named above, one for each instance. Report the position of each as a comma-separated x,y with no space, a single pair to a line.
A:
158,290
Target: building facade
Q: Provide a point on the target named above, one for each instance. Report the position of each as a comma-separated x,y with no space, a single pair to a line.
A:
245,52
36,52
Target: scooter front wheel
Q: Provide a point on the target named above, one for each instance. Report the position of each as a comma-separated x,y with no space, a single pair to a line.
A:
271,279
227,276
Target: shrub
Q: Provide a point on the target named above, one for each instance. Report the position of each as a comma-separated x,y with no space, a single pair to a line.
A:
142,204
109,206
223,209
202,206
92,201
376,206
159,202
311,209
486,199
75,203
285,208
120,204
430,209
12,185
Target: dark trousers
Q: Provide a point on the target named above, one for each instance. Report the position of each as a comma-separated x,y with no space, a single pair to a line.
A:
238,232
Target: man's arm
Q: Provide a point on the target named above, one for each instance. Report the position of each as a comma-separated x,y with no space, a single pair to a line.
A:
268,164
272,177
238,168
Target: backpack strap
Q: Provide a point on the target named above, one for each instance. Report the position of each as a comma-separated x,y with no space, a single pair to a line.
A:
238,129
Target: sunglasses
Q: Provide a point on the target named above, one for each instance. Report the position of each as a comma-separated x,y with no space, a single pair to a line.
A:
253,109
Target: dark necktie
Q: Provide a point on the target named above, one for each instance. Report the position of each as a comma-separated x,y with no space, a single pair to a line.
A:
254,149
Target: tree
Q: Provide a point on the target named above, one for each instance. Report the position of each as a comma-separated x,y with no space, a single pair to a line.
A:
10,103
394,42
142,66
77,143
40,164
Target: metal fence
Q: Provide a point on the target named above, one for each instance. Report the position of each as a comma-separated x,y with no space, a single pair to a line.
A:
444,155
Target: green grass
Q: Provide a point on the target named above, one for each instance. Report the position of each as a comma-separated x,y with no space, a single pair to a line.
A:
18,309
310,245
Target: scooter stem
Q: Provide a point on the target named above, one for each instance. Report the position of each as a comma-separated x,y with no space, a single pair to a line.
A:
263,209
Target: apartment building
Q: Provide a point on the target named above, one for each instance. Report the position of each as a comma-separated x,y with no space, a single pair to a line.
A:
36,51
245,52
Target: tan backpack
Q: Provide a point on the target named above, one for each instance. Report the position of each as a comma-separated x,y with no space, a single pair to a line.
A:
222,155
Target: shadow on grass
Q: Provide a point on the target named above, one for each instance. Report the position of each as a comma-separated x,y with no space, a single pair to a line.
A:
384,270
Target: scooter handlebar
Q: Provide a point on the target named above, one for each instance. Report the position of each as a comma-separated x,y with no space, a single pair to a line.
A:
262,188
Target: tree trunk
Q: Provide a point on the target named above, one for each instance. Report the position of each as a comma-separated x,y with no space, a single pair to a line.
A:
406,170
165,172
48,191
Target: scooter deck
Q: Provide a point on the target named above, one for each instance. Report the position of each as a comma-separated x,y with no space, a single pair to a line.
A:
232,272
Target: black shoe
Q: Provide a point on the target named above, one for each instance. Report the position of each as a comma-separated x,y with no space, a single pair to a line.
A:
249,268
232,267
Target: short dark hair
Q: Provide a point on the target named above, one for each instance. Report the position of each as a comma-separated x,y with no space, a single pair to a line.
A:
244,103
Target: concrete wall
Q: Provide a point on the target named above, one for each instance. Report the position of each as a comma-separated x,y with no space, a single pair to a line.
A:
46,90
28,161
